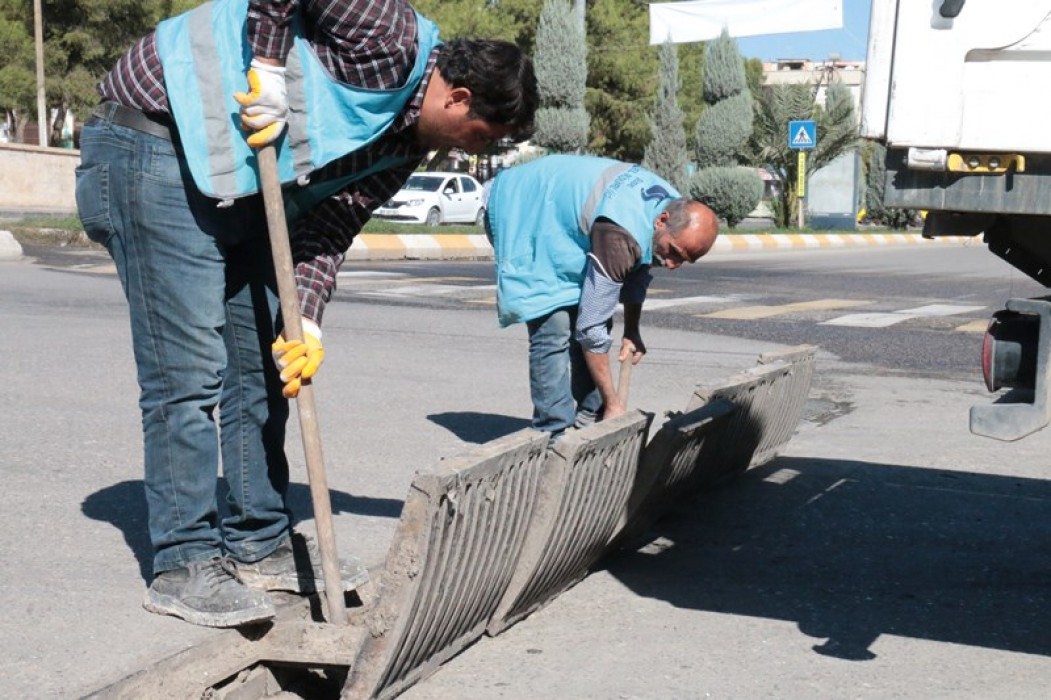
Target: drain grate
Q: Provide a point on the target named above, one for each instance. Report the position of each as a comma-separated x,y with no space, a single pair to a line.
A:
669,465
586,485
768,404
461,531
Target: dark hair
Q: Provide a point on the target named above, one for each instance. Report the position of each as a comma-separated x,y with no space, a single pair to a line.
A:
500,77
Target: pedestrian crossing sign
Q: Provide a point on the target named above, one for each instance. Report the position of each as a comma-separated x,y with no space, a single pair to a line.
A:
802,134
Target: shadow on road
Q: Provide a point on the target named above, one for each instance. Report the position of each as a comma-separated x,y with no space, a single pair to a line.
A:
123,505
478,428
852,550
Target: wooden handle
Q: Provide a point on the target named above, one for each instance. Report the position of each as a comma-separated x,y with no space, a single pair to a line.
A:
336,608
624,382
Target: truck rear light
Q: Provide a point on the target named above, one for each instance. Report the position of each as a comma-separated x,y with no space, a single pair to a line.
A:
1009,351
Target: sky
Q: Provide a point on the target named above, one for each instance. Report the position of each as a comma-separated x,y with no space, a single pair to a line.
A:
850,42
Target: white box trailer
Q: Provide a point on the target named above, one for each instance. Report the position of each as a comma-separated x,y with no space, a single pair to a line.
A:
962,103
959,91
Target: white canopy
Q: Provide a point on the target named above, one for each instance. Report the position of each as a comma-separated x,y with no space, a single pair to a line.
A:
701,20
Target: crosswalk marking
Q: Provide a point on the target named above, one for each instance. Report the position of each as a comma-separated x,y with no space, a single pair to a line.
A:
886,319
404,285
402,278
370,274
426,290
653,304
751,313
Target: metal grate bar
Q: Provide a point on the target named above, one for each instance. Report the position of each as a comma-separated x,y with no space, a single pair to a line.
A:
585,490
462,529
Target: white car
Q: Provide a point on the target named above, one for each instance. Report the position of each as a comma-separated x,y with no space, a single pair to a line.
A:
436,198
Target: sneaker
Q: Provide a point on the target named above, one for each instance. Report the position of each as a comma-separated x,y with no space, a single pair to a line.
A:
207,593
295,566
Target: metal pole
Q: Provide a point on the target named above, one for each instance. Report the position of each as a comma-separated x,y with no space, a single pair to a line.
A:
41,97
801,185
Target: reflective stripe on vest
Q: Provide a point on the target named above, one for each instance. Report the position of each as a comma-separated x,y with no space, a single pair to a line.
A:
541,215
205,55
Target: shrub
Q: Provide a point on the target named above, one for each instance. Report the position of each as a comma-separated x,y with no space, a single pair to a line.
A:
731,192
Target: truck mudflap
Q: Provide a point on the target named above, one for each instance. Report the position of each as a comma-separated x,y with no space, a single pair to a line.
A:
1015,354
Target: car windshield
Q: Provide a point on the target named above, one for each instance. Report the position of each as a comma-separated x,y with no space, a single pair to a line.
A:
423,183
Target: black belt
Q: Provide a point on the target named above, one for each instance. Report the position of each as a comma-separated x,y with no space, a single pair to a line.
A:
158,126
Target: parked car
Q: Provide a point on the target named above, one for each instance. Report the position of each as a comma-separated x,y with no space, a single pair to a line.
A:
436,198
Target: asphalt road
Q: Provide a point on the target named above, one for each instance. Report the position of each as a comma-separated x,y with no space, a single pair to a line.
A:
787,297
886,553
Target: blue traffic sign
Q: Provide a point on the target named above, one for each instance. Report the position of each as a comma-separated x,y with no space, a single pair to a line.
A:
802,134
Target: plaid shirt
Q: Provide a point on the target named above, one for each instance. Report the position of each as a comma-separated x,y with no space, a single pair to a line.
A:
366,43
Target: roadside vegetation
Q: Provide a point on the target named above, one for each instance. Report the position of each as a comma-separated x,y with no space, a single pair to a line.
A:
67,231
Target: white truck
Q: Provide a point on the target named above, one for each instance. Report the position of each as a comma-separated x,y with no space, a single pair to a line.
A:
959,91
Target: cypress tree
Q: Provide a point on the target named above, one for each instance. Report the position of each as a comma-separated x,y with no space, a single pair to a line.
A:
560,61
722,135
666,153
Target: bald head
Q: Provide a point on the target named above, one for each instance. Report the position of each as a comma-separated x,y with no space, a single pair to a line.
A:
685,231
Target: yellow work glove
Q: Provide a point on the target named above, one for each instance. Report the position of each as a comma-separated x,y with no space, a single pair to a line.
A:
298,360
264,108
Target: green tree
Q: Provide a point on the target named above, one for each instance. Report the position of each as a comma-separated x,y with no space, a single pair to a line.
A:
82,41
621,65
621,70
666,153
836,134
17,77
508,20
561,74
722,135
875,183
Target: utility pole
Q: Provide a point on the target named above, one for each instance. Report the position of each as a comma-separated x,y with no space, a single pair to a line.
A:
41,99
578,8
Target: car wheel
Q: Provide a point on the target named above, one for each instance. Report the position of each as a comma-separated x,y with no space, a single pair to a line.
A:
479,219
434,217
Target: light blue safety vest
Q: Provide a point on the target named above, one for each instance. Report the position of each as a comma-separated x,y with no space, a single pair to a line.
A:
541,215
205,54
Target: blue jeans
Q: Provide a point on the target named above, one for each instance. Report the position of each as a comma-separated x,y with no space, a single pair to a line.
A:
560,383
200,288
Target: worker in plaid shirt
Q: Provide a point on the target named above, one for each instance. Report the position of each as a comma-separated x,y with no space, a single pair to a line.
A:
353,94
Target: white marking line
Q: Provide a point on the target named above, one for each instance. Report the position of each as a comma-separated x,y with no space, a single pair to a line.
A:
411,290
426,290
652,304
885,319
370,273
941,310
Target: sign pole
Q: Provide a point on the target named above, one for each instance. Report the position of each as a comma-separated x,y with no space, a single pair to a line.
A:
801,184
802,136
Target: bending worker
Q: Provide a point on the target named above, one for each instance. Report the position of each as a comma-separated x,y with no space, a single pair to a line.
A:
353,93
573,235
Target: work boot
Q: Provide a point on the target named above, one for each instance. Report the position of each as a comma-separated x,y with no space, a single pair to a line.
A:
207,593
295,566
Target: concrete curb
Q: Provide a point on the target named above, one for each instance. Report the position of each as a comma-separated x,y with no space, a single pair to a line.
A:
772,241
9,247
443,246
400,246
